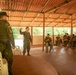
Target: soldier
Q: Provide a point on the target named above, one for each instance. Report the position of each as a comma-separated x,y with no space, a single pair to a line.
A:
27,40
58,40
66,39
73,41
6,39
48,42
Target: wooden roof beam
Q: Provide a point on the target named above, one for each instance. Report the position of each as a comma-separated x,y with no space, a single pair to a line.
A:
45,20
38,21
34,19
45,5
25,13
39,17
58,6
55,19
65,12
29,5
13,1
40,11
23,18
21,11
62,21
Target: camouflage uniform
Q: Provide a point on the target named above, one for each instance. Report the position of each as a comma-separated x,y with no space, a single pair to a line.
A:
6,39
58,40
26,42
73,41
48,42
66,40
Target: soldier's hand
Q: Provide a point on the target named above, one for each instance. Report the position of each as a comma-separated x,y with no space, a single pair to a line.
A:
13,47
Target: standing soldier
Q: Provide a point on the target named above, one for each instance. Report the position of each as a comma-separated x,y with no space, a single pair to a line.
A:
27,40
48,42
6,39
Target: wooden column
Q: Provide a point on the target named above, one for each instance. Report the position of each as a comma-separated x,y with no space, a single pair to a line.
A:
53,34
43,30
32,34
71,25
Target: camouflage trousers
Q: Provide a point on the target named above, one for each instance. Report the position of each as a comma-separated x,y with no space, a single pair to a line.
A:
65,43
47,47
6,51
58,43
73,43
26,47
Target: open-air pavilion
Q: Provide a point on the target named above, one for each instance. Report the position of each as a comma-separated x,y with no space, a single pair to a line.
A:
42,16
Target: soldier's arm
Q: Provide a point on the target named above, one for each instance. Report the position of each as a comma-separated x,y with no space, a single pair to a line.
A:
21,31
10,34
30,38
51,41
45,39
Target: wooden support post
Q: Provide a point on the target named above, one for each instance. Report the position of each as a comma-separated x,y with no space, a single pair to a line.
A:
43,30
71,25
53,34
32,34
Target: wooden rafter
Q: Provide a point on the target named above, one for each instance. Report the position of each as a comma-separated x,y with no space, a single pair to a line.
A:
68,10
13,1
54,20
22,16
62,22
64,13
25,13
34,19
45,5
9,7
71,8
60,15
49,17
38,21
57,7
21,11
66,23
29,5
40,11
45,20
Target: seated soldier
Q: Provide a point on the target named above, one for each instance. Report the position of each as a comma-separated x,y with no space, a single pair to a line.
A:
48,42
73,41
66,39
58,40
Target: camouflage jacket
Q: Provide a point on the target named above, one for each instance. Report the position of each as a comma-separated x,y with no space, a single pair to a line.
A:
6,33
47,39
27,36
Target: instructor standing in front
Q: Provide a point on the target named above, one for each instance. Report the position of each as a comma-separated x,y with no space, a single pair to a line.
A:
26,41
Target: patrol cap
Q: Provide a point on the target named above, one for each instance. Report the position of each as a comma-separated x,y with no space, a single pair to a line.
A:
3,14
